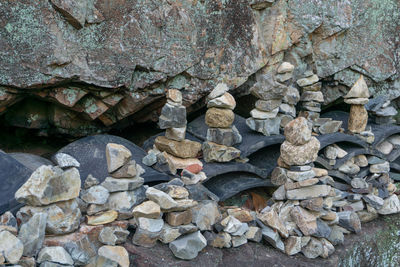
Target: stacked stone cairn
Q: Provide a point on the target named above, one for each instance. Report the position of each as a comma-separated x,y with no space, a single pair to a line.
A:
381,109
357,97
173,150
221,134
287,109
270,93
311,100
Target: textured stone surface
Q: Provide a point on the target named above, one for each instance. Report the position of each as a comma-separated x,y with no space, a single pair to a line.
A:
181,149
10,247
300,155
198,45
213,152
189,246
358,118
115,253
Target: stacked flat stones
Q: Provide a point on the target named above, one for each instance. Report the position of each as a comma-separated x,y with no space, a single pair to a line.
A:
381,109
302,214
311,95
176,151
221,134
270,93
287,109
357,97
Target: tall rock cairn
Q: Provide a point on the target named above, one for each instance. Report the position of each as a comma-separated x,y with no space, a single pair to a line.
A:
221,134
270,93
311,96
302,212
357,97
177,151
287,109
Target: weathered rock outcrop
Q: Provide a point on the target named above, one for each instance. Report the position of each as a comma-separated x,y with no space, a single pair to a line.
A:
98,62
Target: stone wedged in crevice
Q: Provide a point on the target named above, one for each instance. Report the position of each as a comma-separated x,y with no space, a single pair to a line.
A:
90,153
229,184
355,151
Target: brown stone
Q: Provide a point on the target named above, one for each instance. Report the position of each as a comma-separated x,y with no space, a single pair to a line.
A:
358,119
182,149
175,163
179,218
219,118
272,219
315,204
174,95
306,222
147,209
241,214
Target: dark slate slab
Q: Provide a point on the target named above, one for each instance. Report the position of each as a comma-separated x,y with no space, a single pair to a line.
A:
394,154
251,141
215,169
228,185
383,131
90,153
30,161
340,175
395,176
323,163
394,166
12,176
266,158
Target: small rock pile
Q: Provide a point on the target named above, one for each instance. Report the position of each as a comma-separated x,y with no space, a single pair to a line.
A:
270,93
381,109
287,110
172,150
221,135
303,219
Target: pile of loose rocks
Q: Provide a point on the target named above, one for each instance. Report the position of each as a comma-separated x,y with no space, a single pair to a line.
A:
221,134
173,151
270,93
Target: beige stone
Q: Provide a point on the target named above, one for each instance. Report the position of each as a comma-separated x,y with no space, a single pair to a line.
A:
225,101
174,95
181,149
308,192
177,134
272,219
219,118
177,192
115,253
358,119
293,245
148,209
306,222
241,214
300,155
320,172
359,89
175,163
117,156
102,217
297,131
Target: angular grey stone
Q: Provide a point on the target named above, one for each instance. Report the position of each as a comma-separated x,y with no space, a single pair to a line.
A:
268,105
172,117
189,246
292,96
390,205
307,81
65,161
272,237
336,237
323,229
218,91
113,235
350,221
237,241
380,168
359,183
267,127
177,134
331,152
267,88
313,249
349,168
81,250
254,234
287,109
300,168
11,248
375,201
95,195
279,176
90,181
224,136
308,192
300,176
124,201
205,214
117,156
150,159
100,261
385,112
375,160
231,224
280,193
124,184
55,254
262,115
62,217
32,234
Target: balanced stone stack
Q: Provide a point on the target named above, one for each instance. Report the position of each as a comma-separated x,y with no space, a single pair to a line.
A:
221,135
311,95
287,110
270,93
381,109
357,97
301,216
173,149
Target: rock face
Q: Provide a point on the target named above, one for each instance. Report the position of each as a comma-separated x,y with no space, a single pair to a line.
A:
93,77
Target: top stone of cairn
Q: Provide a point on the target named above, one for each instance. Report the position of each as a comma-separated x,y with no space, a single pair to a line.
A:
218,91
359,89
297,132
